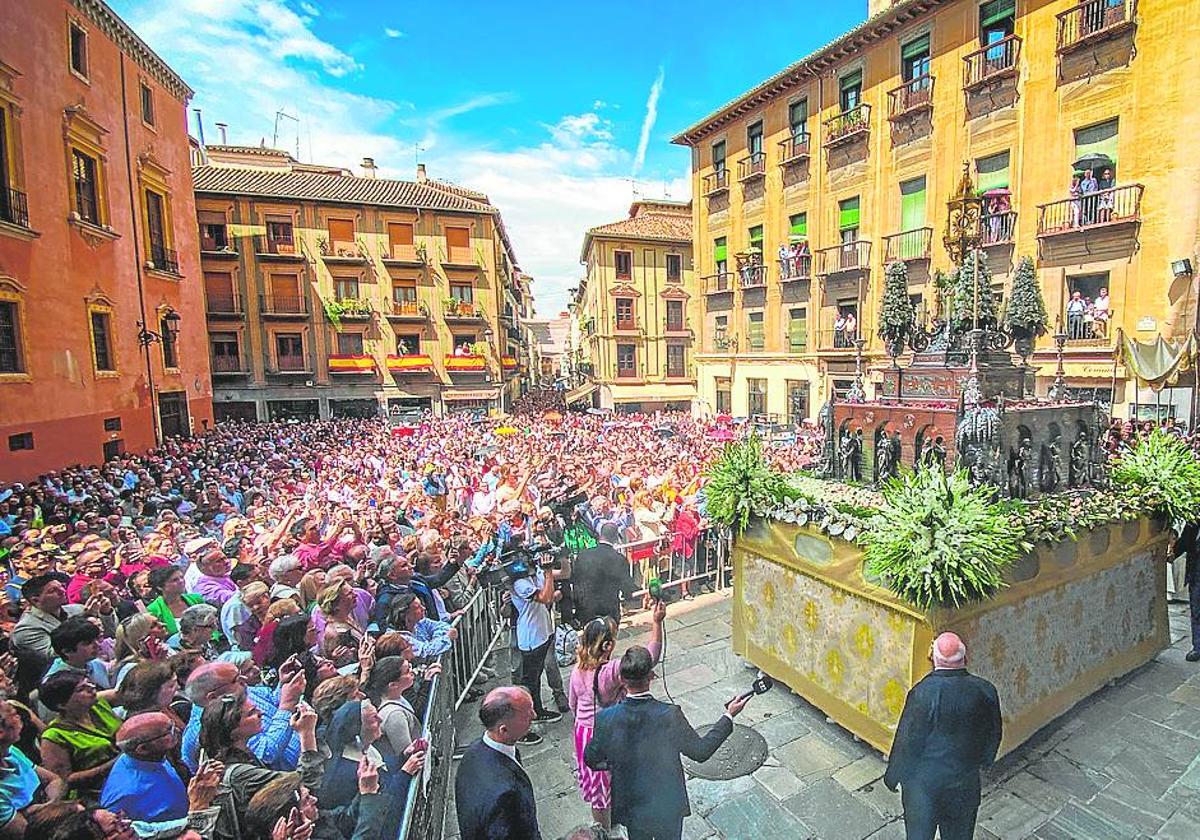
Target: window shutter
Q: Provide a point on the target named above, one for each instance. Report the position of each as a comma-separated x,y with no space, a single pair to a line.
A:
756,236
996,11
798,329
341,230
211,217
915,49
912,204
848,213
992,173
851,80
458,237
798,225
720,250
400,233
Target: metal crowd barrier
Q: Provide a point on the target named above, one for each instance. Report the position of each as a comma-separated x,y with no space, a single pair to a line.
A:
478,627
655,558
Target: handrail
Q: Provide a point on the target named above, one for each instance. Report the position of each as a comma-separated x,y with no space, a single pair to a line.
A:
752,165
1092,19
794,148
1116,205
914,95
849,123
994,61
716,182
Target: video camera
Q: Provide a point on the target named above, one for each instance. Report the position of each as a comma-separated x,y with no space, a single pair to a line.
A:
564,499
517,561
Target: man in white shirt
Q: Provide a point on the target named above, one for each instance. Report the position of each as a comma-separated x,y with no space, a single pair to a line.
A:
532,597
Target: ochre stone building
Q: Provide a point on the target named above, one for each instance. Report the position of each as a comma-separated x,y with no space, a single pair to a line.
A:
851,153
637,310
330,294
102,338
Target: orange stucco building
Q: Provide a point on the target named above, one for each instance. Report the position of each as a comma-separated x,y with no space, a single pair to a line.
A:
102,331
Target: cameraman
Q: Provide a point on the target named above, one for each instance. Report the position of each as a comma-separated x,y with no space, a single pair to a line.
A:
532,596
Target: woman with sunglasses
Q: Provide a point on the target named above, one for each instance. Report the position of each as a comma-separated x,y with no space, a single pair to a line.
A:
595,685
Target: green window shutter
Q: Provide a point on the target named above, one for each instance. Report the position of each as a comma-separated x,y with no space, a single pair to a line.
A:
915,49
848,213
992,173
851,80
798,330
754,331
912,204
996,11
1100,139
798,225
720,250
756,235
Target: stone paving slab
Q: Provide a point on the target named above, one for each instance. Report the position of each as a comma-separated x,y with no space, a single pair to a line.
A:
1123,764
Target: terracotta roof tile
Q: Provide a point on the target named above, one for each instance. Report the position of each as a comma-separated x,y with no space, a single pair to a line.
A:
660,227
311,186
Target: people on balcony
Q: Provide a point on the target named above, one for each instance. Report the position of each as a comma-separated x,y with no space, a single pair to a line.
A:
998,205
1105,202
1100,314
1076,312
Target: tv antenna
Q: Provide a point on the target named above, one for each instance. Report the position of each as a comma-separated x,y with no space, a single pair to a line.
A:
633,186
275,136
417,149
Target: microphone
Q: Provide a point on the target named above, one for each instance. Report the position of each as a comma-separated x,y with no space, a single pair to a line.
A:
654,588
762,685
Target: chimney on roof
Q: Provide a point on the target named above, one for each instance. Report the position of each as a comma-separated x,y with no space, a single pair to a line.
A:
421,176
221,130
369,167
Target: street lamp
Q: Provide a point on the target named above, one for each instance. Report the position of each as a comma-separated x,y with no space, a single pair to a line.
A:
170,330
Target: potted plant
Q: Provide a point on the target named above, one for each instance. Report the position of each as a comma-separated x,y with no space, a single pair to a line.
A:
450,304
1025,312
479,348
896,315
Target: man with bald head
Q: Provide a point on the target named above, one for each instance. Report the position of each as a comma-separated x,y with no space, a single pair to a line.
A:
949,730
142,783
492,794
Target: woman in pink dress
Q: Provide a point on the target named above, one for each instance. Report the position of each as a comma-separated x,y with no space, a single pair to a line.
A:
596,684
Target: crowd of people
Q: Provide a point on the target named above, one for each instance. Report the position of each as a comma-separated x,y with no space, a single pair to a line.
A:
233,636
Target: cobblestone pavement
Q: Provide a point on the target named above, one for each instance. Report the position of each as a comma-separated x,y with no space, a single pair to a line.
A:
1122,765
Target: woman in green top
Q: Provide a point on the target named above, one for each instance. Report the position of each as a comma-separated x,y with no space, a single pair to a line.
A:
167,581
80,743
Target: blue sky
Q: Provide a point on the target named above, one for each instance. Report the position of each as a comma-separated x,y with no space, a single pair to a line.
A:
550,108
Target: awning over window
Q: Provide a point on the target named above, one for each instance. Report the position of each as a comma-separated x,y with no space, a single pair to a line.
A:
992,172
720,250
798,225
912,204
996,11
1097,139
915,49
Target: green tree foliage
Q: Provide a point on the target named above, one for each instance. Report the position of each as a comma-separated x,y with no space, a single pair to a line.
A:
1163,467
965,283
896,315
1025,310
938,541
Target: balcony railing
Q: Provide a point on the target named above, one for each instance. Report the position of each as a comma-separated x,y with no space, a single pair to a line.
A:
163,258
410,363
465,364
291,364
354,308
752,166
909,245
999,228
1114,206
281,246
794,149
626,372
795,268
835,339
14,207
848,125
991,63
408,309
223,303
1083,330
677,325
629,324
752,276
715,284
911,97
716,182
352,363
211,243
403,253
455,308
850,256
283,304
1093,20
227,364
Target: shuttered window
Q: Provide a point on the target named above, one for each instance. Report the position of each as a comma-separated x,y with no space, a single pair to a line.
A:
720,250
992,172
756,238
848,213
912,204
797,330
798,225
996,11
754,331
1097,139
851,90
341,230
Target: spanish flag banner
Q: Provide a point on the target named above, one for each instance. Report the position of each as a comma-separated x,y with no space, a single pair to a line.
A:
466,363
351,364
509,363
409,364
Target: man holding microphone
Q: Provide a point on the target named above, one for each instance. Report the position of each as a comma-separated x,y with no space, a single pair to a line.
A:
640,741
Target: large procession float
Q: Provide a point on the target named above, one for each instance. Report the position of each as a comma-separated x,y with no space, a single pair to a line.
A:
955,500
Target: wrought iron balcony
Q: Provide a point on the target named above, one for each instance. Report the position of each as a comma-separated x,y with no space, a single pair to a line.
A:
14,207
848,125
752,166
1094,20
835,339
1115,206
403,254
223,303
463,310
290,306
715,284
716,182
228,364
280,244
991,63
999,228
795,149
849,256
629,324
911,98
909,245
163,258
752,276
677,326
796,268
408,310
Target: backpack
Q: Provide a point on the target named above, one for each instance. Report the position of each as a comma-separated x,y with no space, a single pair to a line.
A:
566,641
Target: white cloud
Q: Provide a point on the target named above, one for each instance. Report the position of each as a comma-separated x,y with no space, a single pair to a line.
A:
639,158
309,9
392,33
